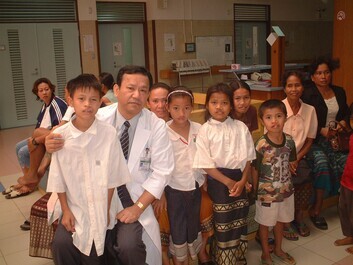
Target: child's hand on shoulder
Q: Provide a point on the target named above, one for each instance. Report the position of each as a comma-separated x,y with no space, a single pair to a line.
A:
68,221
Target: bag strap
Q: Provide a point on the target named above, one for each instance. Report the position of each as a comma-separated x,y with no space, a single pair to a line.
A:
334,124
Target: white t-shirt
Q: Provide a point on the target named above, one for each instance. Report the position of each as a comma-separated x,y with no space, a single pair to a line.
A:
89,164
184,176
68,114
46,121
225,144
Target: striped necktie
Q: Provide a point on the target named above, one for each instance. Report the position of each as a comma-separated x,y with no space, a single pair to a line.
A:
124,140
123,193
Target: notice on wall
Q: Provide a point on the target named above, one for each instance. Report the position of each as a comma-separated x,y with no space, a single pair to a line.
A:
88,43
169,42
117,49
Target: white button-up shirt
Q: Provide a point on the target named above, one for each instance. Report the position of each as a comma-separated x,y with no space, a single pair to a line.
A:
89,164
225,144
184,176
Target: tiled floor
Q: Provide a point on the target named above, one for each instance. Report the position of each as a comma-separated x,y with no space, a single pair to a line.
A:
317,249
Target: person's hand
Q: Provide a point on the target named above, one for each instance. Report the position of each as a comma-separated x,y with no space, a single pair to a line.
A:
327,133
54,142
68,221
159,205
130,214
237,188
248,187
230,185
293,167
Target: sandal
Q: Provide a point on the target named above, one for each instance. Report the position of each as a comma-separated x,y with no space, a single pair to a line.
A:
319,222
265,262
8,190
302,229
23,191
286,259
290,234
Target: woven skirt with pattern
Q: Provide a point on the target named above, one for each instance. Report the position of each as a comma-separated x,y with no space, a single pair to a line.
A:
230,226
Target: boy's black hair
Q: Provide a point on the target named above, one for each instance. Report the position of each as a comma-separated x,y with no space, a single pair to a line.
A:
133,69
84,81
271,104
219,88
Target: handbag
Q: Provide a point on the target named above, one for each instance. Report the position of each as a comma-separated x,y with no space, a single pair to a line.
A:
303,173
339,141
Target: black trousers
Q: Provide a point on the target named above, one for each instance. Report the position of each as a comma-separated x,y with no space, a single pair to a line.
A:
65,252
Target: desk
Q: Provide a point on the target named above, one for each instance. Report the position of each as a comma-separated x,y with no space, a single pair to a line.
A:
261,67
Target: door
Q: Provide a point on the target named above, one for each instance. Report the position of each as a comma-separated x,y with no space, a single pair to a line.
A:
119,45
28,52
250,38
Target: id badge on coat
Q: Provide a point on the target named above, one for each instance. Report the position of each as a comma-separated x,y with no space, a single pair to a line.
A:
145,160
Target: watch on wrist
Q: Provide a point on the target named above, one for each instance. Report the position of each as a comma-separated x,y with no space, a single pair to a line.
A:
140,205
34,142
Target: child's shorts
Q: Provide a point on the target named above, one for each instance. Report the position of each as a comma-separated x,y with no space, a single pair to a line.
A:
268,214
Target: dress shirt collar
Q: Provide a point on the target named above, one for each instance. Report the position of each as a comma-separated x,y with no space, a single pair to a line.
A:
289,109
213,121
76,132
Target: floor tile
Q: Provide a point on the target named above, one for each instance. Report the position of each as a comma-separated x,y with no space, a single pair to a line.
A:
22,257
306,257
2,261
324,247
15,244
346,261
11,229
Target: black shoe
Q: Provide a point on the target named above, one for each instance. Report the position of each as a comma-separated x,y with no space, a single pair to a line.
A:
319,222
25,226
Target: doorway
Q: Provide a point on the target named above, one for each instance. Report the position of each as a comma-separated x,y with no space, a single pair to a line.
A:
119,45
30,51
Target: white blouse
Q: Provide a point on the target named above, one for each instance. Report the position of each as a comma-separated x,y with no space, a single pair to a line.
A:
225,144
332,109
184,176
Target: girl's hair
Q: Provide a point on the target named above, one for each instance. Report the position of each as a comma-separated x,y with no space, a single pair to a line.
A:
38,82
219,88
271,104
236,84
288,74
180,91
332,64
106,79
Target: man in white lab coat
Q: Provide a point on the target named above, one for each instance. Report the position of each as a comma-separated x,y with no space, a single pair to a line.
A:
150,161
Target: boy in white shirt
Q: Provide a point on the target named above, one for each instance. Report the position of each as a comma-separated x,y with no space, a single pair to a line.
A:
84,173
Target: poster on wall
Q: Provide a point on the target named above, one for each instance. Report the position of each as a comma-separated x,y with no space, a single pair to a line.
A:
169,42
88,43
117,49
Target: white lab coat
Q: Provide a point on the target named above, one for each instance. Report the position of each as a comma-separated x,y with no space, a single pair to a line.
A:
150,133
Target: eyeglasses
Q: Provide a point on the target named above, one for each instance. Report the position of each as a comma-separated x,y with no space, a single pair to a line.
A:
325,73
